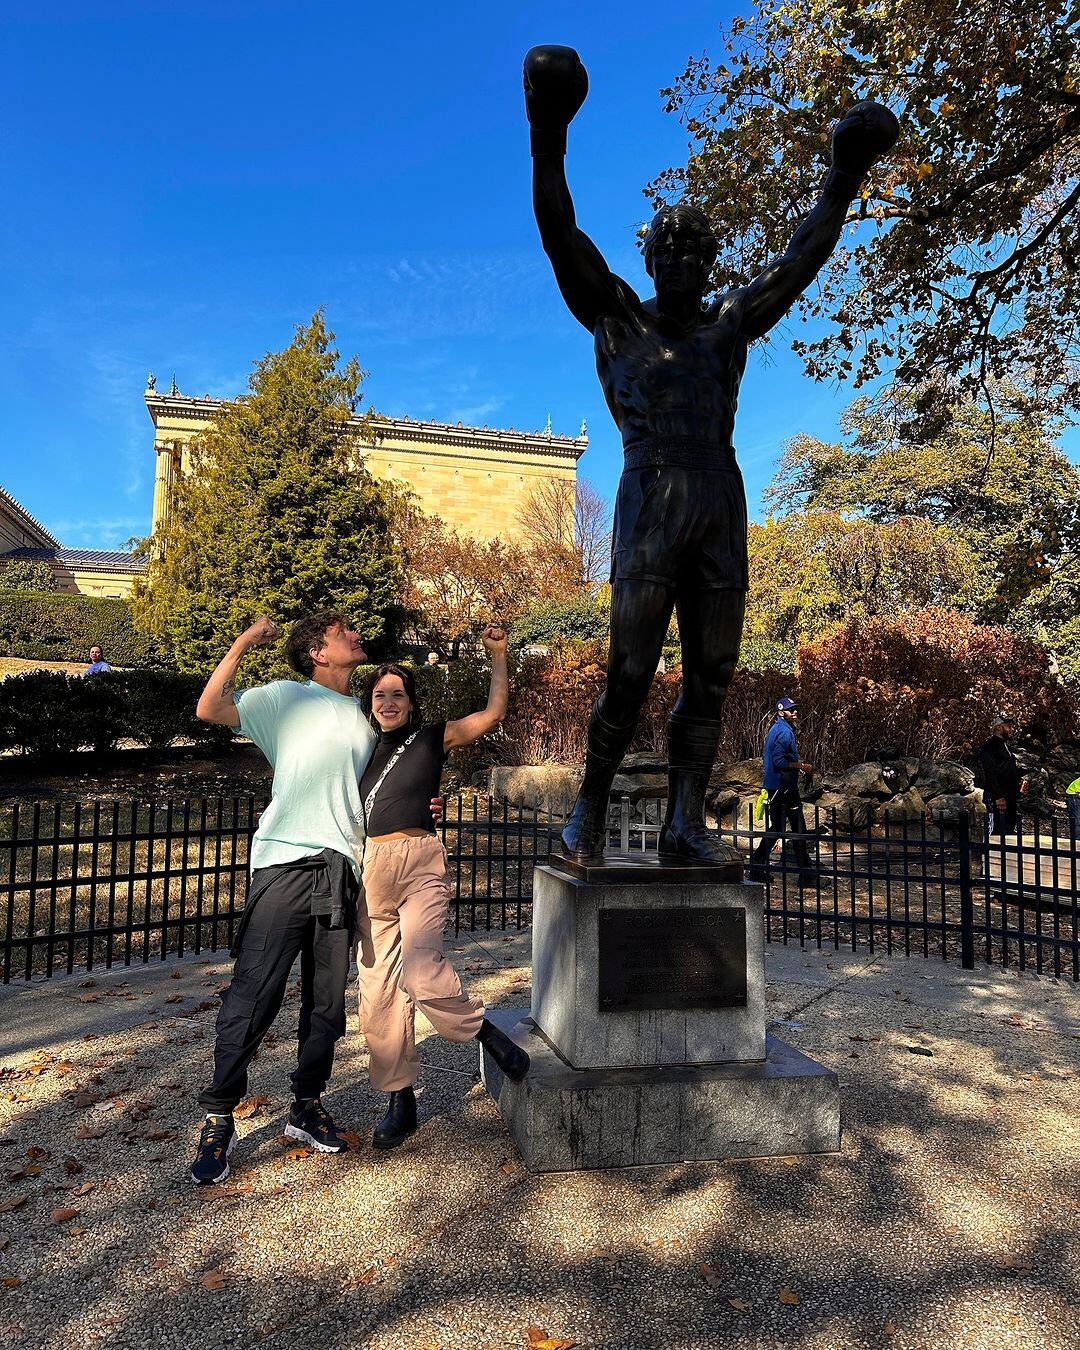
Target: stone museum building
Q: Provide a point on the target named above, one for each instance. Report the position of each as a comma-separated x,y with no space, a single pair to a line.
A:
474,478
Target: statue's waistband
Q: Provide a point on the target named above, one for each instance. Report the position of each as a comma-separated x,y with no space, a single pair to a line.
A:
682,452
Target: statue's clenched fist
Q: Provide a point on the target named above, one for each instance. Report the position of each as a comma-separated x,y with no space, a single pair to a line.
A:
862,135
555,88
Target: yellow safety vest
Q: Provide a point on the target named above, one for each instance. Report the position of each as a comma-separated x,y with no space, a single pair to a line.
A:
1074,788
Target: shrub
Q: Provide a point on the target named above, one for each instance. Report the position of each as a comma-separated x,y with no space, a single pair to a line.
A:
59,627
560,621
26,574
46,714
932,683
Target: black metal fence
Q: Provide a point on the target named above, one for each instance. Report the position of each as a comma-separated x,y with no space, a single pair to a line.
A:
120,882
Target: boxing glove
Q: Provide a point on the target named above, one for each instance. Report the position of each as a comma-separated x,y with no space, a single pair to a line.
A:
865,133
555,87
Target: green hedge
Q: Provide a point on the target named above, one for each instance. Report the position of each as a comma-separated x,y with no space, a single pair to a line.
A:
47,714
40,626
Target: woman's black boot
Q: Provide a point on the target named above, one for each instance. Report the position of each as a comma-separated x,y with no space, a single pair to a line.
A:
399,1121
513,1061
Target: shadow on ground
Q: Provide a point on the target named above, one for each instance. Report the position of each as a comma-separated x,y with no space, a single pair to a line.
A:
950,1216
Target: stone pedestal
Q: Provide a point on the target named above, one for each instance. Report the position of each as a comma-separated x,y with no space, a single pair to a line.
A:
647,1026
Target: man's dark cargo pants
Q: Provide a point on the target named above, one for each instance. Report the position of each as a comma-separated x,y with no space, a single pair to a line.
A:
277,926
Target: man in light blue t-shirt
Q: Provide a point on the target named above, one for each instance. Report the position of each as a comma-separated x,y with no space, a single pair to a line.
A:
305,872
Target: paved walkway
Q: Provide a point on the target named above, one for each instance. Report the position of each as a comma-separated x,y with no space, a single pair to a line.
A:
949,1218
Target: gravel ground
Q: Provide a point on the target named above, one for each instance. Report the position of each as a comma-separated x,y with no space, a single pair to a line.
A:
949,1218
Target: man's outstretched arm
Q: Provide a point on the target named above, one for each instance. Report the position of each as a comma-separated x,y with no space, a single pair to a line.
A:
216,700
866,133
555,88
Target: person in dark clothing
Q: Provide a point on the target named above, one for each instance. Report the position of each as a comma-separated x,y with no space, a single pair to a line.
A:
784,807
407,892
1001,779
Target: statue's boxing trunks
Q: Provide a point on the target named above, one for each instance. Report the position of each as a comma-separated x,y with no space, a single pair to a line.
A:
680,518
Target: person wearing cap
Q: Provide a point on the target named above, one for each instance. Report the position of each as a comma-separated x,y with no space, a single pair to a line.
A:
1001,778
784,812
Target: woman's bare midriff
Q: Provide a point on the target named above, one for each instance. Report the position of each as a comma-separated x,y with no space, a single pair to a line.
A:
411,833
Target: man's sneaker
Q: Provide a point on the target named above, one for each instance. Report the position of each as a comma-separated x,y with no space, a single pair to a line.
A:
217,1141
310,1121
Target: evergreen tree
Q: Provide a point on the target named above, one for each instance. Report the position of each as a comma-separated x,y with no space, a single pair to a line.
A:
277,515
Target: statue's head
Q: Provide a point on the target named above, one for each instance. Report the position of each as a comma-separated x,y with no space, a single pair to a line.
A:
680,248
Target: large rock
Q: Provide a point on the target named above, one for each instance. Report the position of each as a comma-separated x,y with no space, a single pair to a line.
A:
548,787
644,761
936,779
1065,758
637,786
907,805
946,809
744,777
852,813
870,779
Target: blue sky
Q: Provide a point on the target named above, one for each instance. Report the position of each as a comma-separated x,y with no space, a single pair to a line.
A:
185,182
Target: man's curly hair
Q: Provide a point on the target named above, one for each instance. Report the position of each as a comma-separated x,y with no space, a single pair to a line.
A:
307,635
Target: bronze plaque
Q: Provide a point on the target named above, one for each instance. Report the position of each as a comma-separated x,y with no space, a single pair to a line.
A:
672,958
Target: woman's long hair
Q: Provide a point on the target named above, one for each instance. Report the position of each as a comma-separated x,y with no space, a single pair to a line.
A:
405,675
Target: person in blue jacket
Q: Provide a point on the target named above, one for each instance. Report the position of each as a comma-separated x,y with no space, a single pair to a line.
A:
784,807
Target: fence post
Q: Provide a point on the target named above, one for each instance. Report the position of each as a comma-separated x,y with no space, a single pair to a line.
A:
967,916
624,825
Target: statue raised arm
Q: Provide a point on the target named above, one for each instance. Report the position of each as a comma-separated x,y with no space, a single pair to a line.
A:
670,368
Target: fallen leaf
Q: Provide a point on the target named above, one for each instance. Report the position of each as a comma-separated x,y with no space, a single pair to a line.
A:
710,1275
296,1154
87,984
76,1232
789,1297
82,1100
250,1106
16,1202
90,1132
175,998
20,1175
214,1280
4,1240
89,998
36,1154
508,1168
1014,1263
540,1340
176,975
352,1140
84,1189
890,1328
739,1304
920,1050
72,1167
63,1215
11,1281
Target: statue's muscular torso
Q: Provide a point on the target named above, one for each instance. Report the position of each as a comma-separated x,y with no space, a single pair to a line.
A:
662,382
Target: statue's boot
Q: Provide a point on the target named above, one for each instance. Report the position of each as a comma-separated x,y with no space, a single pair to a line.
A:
684,834
585,833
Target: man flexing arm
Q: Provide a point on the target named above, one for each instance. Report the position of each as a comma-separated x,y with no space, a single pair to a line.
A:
555,88
863,135
216,700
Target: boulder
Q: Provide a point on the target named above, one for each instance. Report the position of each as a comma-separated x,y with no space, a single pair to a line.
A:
644,761
735,806
548,787
852,813
907,805
870,779
637,786
1065,759
945,810
746,776
937,779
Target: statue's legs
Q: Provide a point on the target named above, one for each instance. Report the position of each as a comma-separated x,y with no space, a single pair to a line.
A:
710,629
640,613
